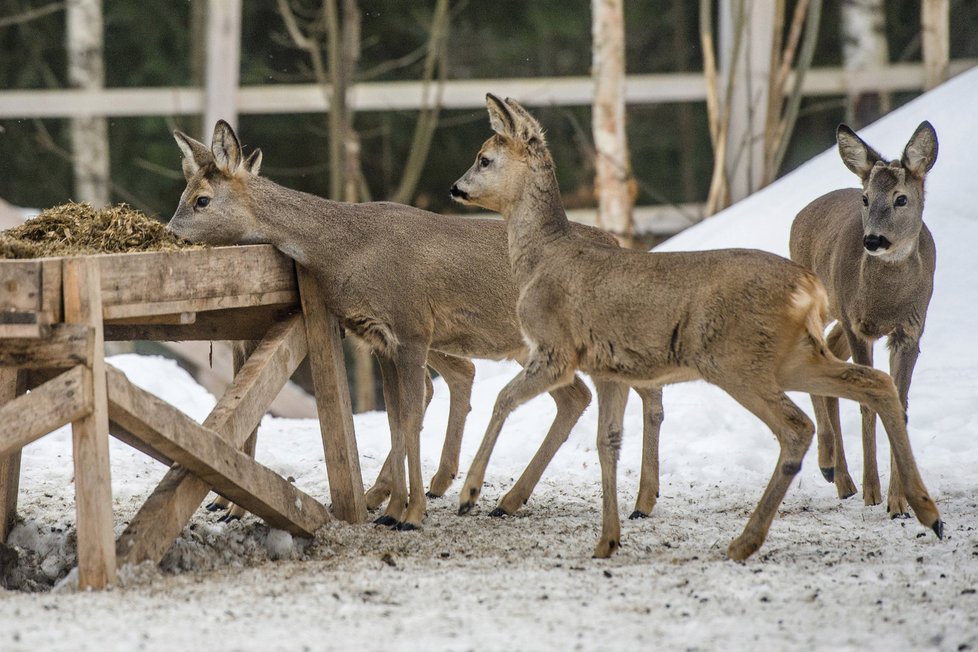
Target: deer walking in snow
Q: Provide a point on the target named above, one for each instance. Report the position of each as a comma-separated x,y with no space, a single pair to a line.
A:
876,257
747,321
414,286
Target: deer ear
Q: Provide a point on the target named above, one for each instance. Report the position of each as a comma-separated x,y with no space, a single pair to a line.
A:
500,119
226,148
921,152
253,163
195,153
529,129
856,154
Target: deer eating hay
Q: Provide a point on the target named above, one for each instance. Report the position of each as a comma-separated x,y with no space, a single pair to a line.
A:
747,321
416,287
876,257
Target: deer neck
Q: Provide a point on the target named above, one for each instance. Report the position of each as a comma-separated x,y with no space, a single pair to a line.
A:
535,222
309,229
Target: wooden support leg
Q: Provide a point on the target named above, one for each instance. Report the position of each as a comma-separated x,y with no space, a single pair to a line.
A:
161,519
9,464
90,434
333,403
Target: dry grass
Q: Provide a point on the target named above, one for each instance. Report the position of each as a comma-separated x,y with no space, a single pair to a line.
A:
78,229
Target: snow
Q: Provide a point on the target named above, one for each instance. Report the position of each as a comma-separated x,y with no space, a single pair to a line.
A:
832,574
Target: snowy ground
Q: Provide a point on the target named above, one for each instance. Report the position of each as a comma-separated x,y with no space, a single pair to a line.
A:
832,574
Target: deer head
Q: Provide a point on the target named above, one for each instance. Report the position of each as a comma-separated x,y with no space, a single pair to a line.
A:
893,192
497,178
216,206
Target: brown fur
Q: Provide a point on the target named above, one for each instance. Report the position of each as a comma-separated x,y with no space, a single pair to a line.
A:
871,296
747,321
416,287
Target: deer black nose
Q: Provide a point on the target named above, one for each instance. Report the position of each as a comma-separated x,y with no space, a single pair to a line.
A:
458,192
874,242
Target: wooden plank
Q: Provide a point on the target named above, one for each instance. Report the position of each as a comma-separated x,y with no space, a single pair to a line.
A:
194,280
90,434
333,403
232,473
9,463
935,24
46,408
20,288
231,324
51,286
161,519
65,346
164,319
411,95
222,64
126,437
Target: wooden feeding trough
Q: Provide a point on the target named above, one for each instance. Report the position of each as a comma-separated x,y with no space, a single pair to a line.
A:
57,313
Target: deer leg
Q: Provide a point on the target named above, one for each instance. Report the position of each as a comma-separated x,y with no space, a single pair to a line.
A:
903,359
544,371
794,432
875,389
411,372
571,401
831,450
862,353
458,374
390,481
652,416
611,410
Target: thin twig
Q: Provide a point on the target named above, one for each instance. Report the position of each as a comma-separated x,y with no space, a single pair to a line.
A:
31,14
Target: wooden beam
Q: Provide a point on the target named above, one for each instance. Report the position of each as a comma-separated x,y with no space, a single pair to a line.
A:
90,433
47,407
333,403
194,280
9,463
410,95
67,345
161,519
231,323
232,473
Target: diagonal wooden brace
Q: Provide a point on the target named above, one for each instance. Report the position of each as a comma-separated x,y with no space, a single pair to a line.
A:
233,474
166,512
29,417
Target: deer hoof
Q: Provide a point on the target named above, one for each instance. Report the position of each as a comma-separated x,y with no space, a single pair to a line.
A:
828,473
637,515
465,508
227,518
389,521
214,507
938,528
897,515
499,512
432,494
405,527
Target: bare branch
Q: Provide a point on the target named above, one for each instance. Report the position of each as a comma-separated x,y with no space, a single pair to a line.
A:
32,14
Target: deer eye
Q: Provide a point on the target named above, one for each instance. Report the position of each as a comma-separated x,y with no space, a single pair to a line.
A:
484,162
865,200
202,201
901,200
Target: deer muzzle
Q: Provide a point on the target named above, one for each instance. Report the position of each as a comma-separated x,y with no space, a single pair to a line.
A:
458,193
876,242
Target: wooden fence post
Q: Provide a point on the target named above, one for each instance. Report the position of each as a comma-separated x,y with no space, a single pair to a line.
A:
90,434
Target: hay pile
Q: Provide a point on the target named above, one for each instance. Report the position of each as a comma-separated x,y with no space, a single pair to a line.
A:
78,229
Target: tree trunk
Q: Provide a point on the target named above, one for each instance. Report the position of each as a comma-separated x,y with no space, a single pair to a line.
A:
864,47
223,64
614,184
86,70
746,44
935,19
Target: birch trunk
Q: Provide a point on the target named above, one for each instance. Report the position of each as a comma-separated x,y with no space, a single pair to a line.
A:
614,185
864,47
86,70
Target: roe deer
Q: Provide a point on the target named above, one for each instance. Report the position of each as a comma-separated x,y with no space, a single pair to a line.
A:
747,321
414,286
876,258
